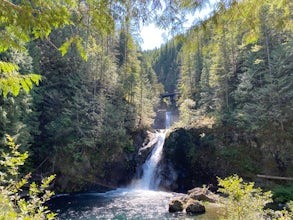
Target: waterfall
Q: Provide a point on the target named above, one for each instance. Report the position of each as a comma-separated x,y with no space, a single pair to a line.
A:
169,120
150,178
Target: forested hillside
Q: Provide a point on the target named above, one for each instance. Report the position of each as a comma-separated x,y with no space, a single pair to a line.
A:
92,95
79,95
234,75
79,101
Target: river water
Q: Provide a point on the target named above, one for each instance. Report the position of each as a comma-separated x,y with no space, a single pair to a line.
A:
121,204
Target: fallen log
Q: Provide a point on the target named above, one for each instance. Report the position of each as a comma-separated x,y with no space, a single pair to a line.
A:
275,177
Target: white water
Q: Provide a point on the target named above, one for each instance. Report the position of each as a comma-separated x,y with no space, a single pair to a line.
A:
149,179
169,120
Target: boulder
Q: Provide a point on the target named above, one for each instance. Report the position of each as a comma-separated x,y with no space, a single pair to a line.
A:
176,205
194,207
192,202
202,194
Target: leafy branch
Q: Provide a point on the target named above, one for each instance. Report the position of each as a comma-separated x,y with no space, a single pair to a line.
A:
11,81
12,205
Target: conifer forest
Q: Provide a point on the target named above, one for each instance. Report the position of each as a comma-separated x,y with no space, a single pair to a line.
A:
79,97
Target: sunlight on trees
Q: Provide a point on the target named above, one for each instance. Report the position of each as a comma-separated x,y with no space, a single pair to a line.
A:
98,89
244,201
12,204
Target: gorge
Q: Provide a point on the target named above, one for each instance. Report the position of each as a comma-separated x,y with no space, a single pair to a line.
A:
140,200
112,125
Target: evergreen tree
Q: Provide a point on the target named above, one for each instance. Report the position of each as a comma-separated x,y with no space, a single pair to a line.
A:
16,111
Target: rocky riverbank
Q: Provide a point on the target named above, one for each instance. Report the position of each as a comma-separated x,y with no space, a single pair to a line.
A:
196,202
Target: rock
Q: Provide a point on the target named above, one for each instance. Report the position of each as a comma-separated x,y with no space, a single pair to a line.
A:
202,194
145,148
195,207
177,150
192,202
176,205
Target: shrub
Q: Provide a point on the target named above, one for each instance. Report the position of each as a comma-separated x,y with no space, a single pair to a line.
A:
244,202
283,194
12,205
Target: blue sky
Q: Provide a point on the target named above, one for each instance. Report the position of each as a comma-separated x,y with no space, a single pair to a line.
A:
154,37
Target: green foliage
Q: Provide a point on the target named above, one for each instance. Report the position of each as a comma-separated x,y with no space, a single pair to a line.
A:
224,73
78,42
244,202
284,214
187,113
230,153
130,148
16,114
166,64
23,21
12,160
236,67
283,194
11,81
91,119
12,205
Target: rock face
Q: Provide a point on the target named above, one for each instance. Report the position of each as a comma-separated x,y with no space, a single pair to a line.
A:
191,203
196,156
189,154
199,155
100,170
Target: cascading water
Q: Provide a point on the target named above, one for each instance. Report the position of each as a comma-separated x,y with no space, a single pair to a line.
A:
169,120
148,180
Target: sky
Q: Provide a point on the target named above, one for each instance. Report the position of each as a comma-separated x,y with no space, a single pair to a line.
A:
154,37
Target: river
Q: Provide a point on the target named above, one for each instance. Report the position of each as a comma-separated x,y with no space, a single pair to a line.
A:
121,204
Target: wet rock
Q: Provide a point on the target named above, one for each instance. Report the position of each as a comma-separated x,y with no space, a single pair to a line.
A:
145,148
191,203
176,205
180,146
202,194
194,207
